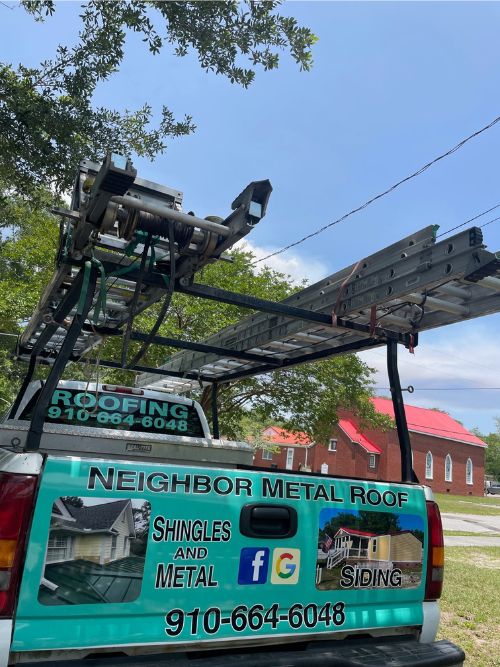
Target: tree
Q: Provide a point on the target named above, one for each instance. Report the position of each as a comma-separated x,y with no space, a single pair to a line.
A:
48,123
251,429
28,241
341,520
142,517
379,523
26,263
305,398
492,455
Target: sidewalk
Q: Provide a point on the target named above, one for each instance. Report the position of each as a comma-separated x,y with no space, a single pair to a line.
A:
486,527
471,541
471,523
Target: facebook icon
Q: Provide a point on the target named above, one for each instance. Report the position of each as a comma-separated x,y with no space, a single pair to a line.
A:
254,564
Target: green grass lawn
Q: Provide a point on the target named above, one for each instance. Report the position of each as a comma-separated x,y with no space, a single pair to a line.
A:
470,604
486,505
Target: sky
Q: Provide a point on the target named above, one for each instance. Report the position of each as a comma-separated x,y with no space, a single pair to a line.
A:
394,85
88,501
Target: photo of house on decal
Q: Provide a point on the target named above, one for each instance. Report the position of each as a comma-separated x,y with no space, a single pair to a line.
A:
369,550
95,551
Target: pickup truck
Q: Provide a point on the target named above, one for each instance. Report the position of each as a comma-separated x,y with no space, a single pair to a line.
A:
132,537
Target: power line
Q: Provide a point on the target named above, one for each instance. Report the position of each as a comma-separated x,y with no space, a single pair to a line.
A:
445,388
489,223
382,194
480,215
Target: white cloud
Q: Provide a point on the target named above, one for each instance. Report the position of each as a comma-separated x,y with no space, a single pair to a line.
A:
458,374
292,264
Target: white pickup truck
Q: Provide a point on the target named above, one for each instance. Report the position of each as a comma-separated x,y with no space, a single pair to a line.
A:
131,537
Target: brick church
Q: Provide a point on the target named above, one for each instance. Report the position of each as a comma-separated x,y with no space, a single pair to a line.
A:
446,456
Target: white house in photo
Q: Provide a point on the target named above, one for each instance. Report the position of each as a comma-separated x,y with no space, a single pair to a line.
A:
95,533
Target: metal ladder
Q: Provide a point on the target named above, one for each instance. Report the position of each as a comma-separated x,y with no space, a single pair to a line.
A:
412,286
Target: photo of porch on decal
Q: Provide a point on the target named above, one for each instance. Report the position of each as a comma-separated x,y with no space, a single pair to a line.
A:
367,549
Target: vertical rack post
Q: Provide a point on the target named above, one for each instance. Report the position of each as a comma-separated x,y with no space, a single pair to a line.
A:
407,474
27,379
215,413
37,421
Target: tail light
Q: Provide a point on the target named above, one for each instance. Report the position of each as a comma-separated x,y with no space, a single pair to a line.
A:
17,493
435,553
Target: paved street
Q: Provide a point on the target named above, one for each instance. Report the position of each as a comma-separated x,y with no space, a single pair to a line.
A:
471,523
471,541
486,527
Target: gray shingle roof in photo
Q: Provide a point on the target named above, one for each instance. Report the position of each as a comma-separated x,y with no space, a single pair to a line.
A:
97,517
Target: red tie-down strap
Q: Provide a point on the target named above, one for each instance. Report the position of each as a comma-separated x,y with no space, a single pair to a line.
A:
341,293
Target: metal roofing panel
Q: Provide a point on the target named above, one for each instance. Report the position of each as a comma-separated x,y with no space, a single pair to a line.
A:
430,422
353,434
353,531
84,582
282,437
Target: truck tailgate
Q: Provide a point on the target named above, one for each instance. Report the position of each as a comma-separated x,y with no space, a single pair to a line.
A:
126,554
396,652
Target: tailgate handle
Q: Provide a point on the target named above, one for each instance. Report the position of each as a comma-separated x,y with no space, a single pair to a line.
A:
272,521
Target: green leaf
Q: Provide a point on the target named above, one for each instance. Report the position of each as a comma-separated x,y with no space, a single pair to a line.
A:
48,122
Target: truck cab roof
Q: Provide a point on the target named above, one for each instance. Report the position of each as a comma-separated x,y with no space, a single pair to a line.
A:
122,422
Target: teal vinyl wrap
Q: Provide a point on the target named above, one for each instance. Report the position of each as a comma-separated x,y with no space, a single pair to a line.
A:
274,573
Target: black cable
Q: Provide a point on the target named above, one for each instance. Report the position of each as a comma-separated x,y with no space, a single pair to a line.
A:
489,223
398,307
446,388
108,287
166,302
480,215
382,194
133,303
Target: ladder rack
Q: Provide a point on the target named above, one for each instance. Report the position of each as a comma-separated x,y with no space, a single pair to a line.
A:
125,244
414,285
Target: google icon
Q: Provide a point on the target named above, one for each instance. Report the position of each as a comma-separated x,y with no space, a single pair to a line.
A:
286,566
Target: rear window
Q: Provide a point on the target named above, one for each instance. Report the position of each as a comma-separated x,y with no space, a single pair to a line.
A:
120,411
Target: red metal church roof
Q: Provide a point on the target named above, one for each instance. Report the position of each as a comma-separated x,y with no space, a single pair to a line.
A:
430,422
353,434
280,436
